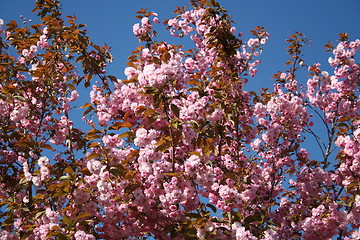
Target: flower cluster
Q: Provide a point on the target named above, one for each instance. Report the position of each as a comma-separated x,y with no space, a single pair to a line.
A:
178,149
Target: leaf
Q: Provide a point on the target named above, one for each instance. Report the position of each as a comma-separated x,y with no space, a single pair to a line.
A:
24,143
130,175
23,180
86,105
175,110
161,142
92,136
64,178
93,155
30,227
195,153
53,228
193,215
112,78
257,217
69,170
67,220
20,98
175,122
85,171
47,146
92,131
352,185
289,62
116,172
141,109
206,149
39,196
39,214
194,82
83,215
213,208
131,64
174,174
125,134
94,144
195,89
88,111
80,58
118,125
165,57
148,112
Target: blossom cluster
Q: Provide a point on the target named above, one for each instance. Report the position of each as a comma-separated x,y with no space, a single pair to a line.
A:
179,149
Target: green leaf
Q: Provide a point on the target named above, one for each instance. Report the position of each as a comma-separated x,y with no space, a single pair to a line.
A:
67,220
20,98
23,180
39,214
64,178
83,215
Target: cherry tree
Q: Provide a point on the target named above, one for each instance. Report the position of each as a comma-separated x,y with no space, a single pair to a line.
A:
179,149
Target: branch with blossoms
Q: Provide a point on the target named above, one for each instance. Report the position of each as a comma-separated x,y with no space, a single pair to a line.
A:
179,149
38,89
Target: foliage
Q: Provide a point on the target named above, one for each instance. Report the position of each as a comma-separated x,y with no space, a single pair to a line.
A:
178,150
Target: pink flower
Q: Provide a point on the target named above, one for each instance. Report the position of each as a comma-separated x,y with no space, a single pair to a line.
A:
192,163
144,137
52,215
253,42
21,60
42,43
253,72
19,113
241,233
81,235
74,96
216,115
25,52
130,72
156,20
94,166
145,168
255,144
136,29
1,23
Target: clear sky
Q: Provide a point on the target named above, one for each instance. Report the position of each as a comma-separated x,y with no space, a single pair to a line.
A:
111,21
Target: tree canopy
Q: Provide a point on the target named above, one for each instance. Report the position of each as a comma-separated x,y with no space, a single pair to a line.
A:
179,149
